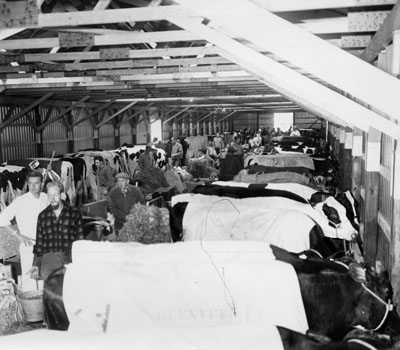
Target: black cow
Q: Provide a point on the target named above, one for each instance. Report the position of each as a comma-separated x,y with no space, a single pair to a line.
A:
338,298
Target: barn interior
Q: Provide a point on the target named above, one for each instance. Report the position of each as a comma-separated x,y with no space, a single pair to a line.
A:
84,74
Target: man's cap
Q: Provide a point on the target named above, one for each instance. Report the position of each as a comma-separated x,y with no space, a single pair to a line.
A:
122,176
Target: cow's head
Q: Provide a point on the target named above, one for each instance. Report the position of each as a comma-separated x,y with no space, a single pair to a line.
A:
374,310
335,213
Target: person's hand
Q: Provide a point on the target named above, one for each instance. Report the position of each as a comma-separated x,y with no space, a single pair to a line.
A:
24,239
34,272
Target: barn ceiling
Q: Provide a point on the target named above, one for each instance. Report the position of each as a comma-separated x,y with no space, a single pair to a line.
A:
189,56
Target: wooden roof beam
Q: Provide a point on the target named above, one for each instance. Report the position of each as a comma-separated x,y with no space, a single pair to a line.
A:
175,115
25,110
97,40
383,36
323,60
133,54
64,112
295,5
303,91
116,114
96,111
230,115
208,115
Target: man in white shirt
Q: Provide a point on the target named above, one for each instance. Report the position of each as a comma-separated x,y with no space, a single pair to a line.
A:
25,209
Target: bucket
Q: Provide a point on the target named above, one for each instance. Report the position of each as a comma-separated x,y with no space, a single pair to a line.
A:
32,304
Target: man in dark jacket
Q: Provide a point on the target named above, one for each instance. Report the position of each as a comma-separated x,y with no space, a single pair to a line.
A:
121,200
58,226
230,166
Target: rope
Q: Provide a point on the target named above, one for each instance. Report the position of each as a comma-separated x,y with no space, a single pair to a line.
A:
388,306
231,305
363,343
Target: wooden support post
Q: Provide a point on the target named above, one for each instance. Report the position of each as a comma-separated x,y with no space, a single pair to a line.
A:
357,153
371,183
210,127
117,141
38,133
341,158
347,160
395,236
96,143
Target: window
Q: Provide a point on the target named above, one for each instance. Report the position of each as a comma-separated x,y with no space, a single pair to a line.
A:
156,130
283,121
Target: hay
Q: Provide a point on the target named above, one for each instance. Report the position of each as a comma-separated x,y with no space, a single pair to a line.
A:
11,313
9,244
146,225
150,179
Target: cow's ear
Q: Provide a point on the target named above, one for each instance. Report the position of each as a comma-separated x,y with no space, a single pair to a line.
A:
357,272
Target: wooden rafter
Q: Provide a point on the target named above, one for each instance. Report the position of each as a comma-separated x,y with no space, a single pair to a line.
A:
323,60
176,115
25,110
228,116
116,113
96,111
100,40
294,86
383,36
134,54
64,112
295,5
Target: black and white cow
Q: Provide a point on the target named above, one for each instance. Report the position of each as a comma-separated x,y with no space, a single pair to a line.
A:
222,212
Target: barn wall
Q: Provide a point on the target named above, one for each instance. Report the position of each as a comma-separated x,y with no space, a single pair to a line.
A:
375,177
17,139
83,136
54,138
106,136
254,120
306,120
125,134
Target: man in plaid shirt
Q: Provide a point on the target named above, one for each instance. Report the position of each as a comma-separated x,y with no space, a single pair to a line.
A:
59,225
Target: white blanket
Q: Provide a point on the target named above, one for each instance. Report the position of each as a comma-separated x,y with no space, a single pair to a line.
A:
200,215
302,190
187,285
235,337
280,160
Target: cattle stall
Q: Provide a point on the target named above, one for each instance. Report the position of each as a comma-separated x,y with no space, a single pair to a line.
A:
82,75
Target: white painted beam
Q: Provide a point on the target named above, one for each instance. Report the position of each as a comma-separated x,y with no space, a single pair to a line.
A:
101,40
327,62
305,5
308,94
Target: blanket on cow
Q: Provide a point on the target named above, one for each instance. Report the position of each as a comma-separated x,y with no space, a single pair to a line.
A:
280,160
250,337
187,284
234,211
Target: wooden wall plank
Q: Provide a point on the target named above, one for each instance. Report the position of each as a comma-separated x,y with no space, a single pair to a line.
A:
371,185
395,235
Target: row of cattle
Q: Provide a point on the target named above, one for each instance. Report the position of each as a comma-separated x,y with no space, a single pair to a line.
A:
75,170
318,163
337,296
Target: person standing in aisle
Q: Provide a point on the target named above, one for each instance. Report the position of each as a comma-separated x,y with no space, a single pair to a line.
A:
121,200
104,177
218,143
58,226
